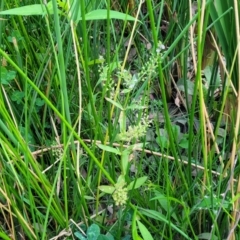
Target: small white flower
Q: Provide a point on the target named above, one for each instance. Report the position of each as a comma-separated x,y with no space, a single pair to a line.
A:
120,196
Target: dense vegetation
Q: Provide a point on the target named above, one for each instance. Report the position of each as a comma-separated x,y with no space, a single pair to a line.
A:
119,119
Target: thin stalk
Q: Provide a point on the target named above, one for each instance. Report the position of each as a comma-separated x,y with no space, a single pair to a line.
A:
164,98
28,178
64,98
54,190
235,218
109,130
203,128
77,162
86,68
197,88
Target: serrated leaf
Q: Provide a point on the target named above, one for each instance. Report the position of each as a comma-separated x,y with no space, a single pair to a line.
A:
109,149
138,183
17,96
190,86
144,231
208,75
107,189
7,76
39,102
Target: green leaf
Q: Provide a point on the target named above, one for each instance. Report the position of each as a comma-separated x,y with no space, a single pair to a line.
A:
235,198
221,26
190,86
213,202
138,183
127,237
96,61
184,143
175,130
125,161
136,107
121,180
118,105
135,235
101,14
137,146
4,236
108,236
160,217
207,236
104,237
122,121
39,102
208,72
75,10
7,76
17,96
107,189
29,10
162,141
145,233
165,204
40,9
93,232
89,197
109,149
80,236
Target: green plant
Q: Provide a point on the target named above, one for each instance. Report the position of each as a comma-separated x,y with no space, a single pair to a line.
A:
93,233
119,117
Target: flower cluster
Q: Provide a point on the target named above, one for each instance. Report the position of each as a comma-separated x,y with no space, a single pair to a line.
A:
57,152
103,79
129,80
151,65
135,132
120,195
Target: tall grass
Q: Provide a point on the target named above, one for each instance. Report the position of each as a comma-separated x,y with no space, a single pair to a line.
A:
106,125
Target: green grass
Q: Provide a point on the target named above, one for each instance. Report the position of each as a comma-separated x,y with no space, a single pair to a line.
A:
119,120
